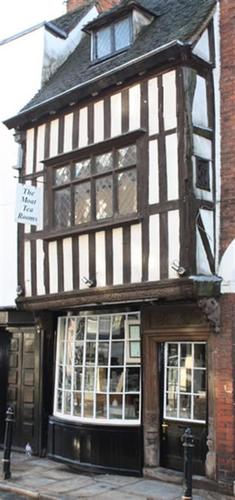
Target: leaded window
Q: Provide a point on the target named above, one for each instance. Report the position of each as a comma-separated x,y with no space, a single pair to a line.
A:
98,372
96,188
113,38
185,381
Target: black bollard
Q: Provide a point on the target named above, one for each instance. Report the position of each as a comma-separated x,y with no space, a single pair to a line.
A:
188,444
7,444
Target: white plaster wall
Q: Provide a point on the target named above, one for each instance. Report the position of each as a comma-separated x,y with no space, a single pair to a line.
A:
20,80
202,48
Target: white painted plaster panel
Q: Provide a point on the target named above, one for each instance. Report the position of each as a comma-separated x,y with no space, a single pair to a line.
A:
173,242
54,137
201,257
116,114
227,269
136,253
169,100
153,172
153,106
40,154
117,256
202,147
68,132
99,121
27,269
40,184
83,127
202,194
100,258
208,222
134,107
83,243
154,248
68,264
172,167
29,151
53,267
40,267
202,47
200,108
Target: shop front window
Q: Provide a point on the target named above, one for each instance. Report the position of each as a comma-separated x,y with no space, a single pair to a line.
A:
98,373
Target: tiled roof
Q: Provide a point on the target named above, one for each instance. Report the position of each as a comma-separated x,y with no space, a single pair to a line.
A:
175,20
68,21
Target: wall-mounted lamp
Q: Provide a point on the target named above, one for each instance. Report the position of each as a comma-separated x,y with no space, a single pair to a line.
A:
180,270
88,282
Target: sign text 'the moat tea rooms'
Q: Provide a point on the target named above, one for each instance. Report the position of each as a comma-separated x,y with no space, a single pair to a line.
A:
28,204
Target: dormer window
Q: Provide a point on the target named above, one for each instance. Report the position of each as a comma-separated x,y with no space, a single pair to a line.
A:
112,38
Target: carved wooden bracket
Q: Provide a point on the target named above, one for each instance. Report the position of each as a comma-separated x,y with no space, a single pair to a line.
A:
211,310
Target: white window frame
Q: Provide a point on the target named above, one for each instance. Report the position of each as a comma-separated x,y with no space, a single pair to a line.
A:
113,49
178,393
128,362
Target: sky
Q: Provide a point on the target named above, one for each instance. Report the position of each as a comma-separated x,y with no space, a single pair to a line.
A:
18,15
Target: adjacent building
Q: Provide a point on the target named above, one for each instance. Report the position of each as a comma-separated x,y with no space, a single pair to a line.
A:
122,276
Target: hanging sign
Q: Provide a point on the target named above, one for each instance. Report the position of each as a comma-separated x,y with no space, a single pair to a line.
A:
28,205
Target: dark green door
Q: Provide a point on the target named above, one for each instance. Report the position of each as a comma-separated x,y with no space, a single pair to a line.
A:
4,347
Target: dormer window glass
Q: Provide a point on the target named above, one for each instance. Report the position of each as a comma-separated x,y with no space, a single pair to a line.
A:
112,38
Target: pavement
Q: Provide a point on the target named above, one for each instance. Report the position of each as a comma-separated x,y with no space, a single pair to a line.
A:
33,477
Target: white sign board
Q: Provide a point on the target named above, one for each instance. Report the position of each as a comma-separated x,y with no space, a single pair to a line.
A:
28,204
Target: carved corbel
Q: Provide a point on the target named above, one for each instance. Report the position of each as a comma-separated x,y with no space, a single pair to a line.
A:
211,310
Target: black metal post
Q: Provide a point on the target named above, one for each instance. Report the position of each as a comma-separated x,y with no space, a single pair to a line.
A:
7,444
188,444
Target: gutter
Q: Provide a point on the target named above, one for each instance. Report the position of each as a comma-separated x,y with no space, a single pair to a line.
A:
175,43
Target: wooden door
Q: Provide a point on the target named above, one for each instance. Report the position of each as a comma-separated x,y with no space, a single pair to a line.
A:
24,390
4,346
183,376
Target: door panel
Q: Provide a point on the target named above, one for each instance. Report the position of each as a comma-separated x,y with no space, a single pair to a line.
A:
183,404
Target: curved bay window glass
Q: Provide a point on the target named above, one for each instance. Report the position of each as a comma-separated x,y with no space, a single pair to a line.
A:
98,375
97,188
185,381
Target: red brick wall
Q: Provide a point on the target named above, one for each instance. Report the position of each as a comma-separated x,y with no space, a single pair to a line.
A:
102,5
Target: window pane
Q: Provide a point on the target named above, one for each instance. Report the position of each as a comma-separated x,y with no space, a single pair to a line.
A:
90,353
199,380
185,406
83,168
115,406
88,404
200,407
60,377
77,404
92,328
103,163
127,156
80,329
116,380
103,353
199,355
62,175
78,353
133,350
78,379
132,406
172,359
104,197
127,192
103,42
101,406
171,405
185,380
101,380
62,325
68,377
172,379
117,353
61,353
118,327
186,355
67,402
59,401
82,202
132,379
134,332
122,34
104,327
89,379
62,208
